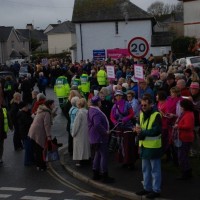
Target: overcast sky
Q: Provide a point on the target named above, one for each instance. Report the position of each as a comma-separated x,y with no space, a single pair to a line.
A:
41,13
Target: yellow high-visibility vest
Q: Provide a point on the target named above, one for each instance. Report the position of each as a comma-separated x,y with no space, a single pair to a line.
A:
149,142
5,116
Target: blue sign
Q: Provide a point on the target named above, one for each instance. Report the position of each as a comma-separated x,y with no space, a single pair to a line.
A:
99,54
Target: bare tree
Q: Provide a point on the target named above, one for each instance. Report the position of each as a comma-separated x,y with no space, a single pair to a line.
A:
158,8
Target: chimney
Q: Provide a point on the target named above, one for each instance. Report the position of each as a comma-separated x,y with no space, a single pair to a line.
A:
30,27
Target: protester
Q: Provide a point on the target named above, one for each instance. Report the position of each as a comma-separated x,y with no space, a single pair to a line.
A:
24,121
40,132
41,98
14,108
5,125
81,146
185,136
149,133
121,116
98,125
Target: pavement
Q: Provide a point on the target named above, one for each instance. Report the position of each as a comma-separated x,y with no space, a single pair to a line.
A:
127,181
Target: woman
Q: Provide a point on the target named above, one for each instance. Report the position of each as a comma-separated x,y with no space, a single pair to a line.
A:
81,146
185,135
162,108
98,125
40,131
122,115
14,108
41,98
133,102
173,111
73,111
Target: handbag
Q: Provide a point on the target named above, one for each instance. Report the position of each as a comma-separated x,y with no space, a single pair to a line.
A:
50,152
114,143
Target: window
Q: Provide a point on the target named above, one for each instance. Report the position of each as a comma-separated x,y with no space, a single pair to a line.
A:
116,28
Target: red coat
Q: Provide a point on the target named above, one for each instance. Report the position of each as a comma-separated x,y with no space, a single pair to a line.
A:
186,127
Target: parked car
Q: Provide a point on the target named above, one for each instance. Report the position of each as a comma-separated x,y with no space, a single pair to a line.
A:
3,74
188,61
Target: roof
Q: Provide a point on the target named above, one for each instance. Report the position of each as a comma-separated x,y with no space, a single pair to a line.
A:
173,17
107,10
34,34
5,32
65,27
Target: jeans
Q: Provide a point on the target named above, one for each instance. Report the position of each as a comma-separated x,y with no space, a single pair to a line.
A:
151,170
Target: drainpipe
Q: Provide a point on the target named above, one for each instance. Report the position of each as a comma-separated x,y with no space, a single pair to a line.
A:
81,41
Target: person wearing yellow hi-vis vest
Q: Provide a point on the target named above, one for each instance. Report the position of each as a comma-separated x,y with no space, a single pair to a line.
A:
149,135
102,77
62,90
4,127
85,84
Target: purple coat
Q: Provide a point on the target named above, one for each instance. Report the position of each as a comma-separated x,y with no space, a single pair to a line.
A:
98,126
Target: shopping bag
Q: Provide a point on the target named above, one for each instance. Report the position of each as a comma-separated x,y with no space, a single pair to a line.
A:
50,152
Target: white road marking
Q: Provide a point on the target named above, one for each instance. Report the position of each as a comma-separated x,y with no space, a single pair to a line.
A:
50,191
12,189
35,198
4,196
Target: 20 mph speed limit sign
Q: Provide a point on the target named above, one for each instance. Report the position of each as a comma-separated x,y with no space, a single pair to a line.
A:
138,47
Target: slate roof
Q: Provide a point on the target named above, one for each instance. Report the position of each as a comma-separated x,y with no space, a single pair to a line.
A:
5,32
35,34
107,10
65,27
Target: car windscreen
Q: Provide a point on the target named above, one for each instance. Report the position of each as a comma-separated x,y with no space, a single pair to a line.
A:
195,60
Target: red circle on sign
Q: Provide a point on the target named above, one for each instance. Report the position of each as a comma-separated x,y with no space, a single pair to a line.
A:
143,47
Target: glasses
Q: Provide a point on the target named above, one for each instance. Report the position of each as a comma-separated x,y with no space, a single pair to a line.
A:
143,105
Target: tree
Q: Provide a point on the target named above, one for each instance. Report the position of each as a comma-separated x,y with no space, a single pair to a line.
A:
34,44
184,45
158,8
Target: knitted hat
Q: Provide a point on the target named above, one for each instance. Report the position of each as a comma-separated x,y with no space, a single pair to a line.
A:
194,85
95,99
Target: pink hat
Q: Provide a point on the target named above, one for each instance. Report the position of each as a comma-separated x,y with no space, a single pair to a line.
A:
194,85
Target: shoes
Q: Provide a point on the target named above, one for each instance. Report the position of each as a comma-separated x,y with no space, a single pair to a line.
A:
142,192
152,195
107,179
1,162
42,169
96,175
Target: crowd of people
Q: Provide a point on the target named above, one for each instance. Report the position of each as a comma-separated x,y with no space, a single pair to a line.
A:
157,117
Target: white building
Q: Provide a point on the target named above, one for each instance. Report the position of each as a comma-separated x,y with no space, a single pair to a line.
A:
191,18
112,24
61,38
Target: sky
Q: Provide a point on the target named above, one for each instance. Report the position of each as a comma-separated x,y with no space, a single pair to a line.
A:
41,13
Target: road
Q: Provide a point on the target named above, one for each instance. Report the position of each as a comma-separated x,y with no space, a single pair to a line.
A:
20,182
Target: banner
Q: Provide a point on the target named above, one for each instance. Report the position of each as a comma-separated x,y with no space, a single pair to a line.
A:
117,53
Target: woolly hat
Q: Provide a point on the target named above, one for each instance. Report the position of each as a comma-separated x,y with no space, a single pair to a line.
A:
95,99
194,85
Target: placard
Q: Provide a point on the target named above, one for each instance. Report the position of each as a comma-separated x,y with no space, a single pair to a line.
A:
110,70
138,72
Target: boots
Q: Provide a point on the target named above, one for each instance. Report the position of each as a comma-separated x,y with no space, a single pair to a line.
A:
107,179
96,175
186,175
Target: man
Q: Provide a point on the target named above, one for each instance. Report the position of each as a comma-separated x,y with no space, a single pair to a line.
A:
149,134
181,84
85,84
144,89
102,77
62,90
170,82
